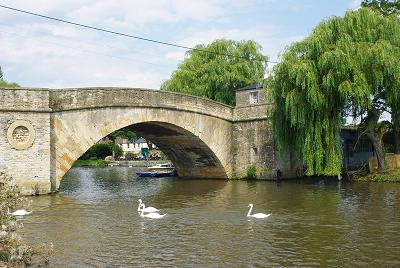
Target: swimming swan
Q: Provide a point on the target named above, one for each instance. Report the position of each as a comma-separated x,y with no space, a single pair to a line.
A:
148,209
257,215
20,212
152,215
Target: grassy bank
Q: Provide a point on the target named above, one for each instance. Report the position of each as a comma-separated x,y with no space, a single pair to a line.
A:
90,163
387,176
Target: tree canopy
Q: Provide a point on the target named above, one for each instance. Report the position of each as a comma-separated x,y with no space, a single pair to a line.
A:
385,7
229,65
347,66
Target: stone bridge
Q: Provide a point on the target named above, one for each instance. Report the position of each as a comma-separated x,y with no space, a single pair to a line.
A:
44,131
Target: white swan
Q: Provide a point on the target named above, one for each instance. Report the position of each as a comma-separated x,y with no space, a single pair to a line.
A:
257,215
142,207
20,212
152,215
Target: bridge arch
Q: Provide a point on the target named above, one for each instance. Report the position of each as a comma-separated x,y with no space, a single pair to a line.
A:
196,140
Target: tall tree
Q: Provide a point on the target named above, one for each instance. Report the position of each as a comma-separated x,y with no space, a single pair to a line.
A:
215,74
348,64
385,7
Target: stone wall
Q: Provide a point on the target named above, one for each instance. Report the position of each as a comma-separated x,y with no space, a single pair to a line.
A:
253,142
25,138
243,97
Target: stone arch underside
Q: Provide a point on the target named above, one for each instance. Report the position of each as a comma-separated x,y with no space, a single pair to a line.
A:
199,145
189,154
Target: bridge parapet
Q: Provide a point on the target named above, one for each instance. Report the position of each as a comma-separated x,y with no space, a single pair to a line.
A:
24,99
88,98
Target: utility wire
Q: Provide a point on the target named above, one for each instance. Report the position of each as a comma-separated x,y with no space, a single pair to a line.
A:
125,35
80,50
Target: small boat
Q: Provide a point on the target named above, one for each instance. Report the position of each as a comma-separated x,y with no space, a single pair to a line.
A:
163,166
170,173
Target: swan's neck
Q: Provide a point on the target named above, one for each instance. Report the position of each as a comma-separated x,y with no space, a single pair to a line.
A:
140,204
251,207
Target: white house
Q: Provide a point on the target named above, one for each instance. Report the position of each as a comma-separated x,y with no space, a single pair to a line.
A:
132,146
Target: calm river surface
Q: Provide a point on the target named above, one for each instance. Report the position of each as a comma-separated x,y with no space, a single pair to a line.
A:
93,222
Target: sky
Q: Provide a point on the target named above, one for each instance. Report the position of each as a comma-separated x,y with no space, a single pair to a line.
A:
36,52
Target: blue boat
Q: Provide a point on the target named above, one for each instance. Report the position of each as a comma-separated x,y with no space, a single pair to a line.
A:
171,173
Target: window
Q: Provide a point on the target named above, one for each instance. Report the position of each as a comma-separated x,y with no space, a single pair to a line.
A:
254,97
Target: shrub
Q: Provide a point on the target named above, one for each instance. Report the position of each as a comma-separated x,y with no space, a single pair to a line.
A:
129,156
251,172
4,256
13,251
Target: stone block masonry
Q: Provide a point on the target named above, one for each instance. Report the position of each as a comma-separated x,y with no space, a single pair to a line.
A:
43,132
25,138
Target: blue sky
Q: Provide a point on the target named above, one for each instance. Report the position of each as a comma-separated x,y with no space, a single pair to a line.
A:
41,53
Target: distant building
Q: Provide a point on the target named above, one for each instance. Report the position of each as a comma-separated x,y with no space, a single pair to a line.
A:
140,147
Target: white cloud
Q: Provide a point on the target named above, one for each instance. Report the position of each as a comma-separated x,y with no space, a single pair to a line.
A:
268,37
38,52
355,4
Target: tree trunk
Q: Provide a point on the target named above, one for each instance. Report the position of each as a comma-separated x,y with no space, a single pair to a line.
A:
376,135
396,133
379,150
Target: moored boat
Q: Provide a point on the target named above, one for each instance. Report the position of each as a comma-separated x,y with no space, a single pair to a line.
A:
170,173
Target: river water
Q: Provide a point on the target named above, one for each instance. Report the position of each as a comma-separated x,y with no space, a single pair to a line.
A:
93,222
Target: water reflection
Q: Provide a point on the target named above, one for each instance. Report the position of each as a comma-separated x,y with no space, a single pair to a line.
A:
317,222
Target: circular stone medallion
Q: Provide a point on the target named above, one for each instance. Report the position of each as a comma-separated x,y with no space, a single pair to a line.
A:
21,134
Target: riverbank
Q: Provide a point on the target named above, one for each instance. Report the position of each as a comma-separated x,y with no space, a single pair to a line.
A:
103,163
387,176
90,163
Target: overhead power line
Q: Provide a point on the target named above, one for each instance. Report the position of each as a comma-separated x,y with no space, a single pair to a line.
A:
126,35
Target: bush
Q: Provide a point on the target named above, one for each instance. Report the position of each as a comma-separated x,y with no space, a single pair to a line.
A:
4,256
13,251
97,151
117,151
251,172
129,156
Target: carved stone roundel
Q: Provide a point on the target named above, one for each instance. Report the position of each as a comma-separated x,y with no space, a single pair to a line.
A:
21,135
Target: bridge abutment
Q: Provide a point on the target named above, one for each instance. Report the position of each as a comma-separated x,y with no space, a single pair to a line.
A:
25,138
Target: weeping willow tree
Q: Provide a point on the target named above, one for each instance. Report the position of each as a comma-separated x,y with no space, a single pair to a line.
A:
348,66
228,66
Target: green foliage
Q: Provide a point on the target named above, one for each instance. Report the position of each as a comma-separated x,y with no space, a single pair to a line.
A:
4,83
13,251
117,151
251,172
90,163
98,151
124,133
163,156
7,84
129,156
387,176
215,76
385,7
348,64
4,256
